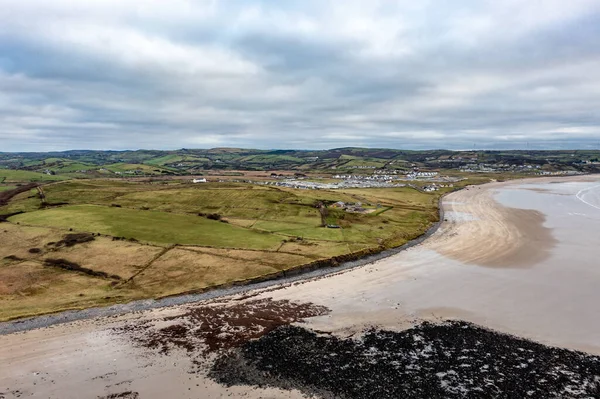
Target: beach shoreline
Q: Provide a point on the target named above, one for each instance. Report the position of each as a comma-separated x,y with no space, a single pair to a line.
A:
506,227
446,277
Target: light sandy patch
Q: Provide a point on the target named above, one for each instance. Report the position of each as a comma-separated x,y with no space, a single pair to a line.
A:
493,235
84,360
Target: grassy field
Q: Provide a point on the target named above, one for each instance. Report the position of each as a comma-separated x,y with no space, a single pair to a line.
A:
69,167
149,226
162,239
172,158
130,168
10,175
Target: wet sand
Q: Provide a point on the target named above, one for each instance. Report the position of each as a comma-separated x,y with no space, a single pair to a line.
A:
517,257
520,271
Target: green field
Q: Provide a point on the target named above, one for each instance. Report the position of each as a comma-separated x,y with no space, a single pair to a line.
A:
173,158
269,159
69,167
10,175
253,210
128,167
149,226
158,237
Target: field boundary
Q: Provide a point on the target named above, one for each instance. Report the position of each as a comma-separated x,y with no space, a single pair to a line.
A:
316,269
149,263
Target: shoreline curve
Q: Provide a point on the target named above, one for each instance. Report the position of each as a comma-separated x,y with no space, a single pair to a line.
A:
302,273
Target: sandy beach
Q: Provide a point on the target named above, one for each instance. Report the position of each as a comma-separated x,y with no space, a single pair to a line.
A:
517,257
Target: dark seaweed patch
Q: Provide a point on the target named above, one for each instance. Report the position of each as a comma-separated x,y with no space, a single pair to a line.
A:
205,329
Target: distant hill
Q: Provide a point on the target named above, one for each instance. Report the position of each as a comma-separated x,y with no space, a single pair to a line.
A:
82,163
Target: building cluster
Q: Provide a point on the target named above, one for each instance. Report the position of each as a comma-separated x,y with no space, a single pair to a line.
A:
560,173
356,207
436,187
485,167
373,177
347,183
418,175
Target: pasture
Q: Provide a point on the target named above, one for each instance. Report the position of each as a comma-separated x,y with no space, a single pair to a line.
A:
10,175
159,239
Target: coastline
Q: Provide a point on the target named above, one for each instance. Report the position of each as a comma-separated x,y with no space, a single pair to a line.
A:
159,353
467,251
317,269
496,236
542,290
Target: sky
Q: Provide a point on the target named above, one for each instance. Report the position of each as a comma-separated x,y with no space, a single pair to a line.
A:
299,74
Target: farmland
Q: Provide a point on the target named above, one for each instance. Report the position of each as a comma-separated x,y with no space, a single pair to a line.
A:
151,239
97,164
9,175
151,232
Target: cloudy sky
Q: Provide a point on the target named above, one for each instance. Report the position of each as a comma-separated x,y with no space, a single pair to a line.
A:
157,74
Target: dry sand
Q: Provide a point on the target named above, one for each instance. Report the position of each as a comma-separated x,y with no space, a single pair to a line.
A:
531,272
495,235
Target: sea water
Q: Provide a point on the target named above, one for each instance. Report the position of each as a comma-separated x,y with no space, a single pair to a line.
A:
590,196
554,301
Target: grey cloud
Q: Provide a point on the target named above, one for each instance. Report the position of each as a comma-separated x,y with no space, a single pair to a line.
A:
299,75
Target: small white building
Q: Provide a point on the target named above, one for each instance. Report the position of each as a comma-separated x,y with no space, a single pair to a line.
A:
202,180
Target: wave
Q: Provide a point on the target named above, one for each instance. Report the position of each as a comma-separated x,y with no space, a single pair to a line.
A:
590,197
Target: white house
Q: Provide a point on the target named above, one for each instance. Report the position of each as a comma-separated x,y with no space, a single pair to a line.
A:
202,180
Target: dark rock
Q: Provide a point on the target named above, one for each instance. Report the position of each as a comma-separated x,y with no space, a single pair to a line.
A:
449,360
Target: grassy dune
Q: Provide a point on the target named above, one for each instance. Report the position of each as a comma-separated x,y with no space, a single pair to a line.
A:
173,248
